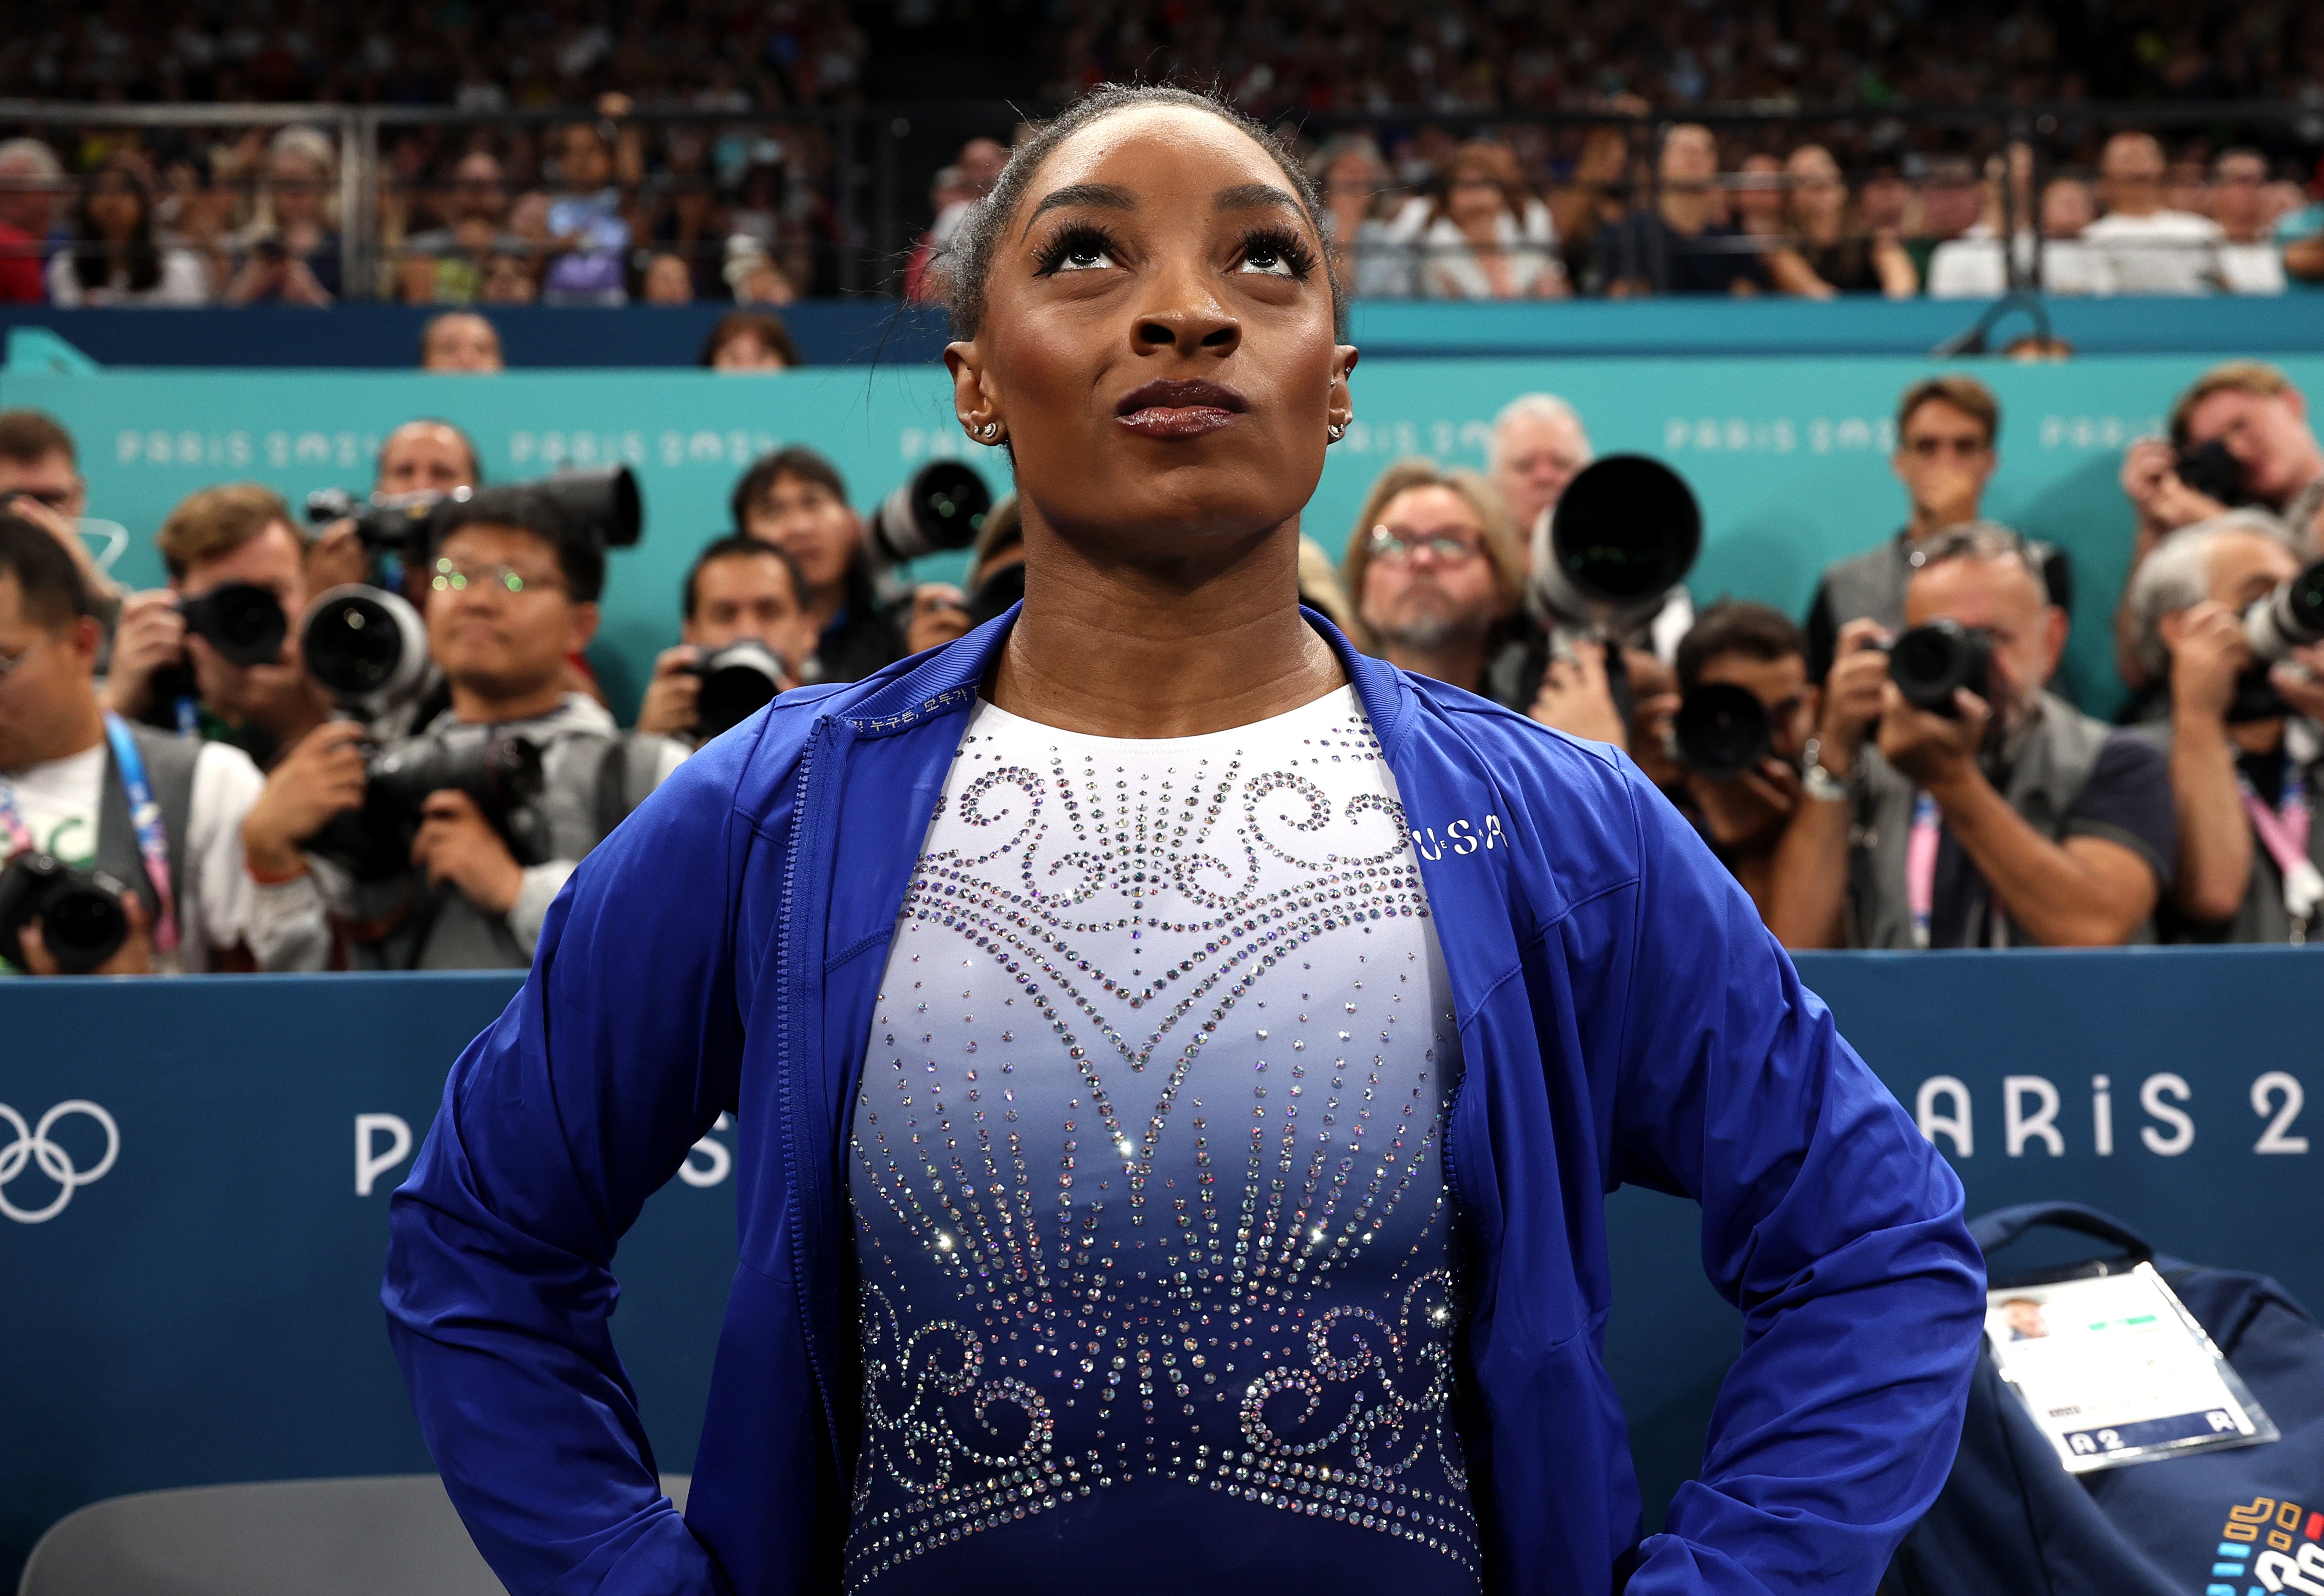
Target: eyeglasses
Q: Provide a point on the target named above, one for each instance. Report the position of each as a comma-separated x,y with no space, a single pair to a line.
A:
452,577
1394,543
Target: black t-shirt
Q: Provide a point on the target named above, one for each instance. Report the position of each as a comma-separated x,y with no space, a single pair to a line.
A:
1649,250
2127,800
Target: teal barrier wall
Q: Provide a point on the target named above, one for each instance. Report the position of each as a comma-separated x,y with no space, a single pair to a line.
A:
202,1305
1789,454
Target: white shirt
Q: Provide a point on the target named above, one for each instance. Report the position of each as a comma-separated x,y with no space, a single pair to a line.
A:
2252,268
1452,268
2171,252
1162,1049
1970,267
59,802
183,282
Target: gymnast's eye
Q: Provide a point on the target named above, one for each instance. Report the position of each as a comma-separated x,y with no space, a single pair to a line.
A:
1276,252
1083,248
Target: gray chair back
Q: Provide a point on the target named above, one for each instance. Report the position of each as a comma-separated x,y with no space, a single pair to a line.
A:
395,1535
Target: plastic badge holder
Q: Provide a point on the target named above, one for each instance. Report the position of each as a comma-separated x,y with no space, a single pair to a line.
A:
2116,1370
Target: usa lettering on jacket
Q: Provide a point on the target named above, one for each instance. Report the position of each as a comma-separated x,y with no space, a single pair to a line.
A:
1462,837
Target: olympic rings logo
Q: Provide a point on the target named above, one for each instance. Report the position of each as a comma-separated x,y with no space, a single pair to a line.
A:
32,1148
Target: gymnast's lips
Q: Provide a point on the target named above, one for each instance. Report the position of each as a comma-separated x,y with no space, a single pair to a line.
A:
1183,407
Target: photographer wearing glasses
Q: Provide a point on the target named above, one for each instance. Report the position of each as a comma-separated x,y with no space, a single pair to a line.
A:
1952,801
1434,567
122,847
739,591
2240,439
511,592
2245,767
1745,713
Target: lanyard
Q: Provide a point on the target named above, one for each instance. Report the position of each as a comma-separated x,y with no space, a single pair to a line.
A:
145,815
1921,865
2283,831
11,821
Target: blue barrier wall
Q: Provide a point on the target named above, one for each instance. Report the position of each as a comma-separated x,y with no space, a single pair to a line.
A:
207,1308
861,331
1789,454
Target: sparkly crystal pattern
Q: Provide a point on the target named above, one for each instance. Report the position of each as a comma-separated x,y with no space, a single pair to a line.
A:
1147,1171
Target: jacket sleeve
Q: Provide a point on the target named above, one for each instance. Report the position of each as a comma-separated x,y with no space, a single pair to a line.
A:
557,1124
1827,1219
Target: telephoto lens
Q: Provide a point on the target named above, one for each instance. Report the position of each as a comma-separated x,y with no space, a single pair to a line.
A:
940,506
243,622
603,502
1721,730
2291,617
82,922
1928,662
1625,531
737,682
367,646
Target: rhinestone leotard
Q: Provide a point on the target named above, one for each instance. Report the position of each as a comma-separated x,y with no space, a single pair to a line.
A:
1147,1179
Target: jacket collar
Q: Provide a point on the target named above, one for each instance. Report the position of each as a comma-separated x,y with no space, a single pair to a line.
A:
944,681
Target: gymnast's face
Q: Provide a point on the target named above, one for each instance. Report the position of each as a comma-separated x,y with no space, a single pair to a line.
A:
1158,342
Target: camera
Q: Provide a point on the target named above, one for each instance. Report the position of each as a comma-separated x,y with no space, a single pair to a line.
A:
940,506
1927,663
80,911
604,504
1623,533
367,646
243,622
1721,730
2291,617
737,682
2210,470
502,774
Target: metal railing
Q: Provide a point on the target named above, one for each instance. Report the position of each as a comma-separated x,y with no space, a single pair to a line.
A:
839,201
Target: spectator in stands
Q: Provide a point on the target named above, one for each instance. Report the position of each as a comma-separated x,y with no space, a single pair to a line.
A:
2260,420
738,589
1947,429
30,180
67,789
668,281
2299,233
460,341
1757,202
1359,208
1678,246
1843,257
445,265
2147,248
2242,785
2017,820
114,258
2249,259
796,499
1970,266
969,178
585,227
1538,443
1435,565
1487,237
1588,208
291,250
1951,200
513,594
749,341
1743,816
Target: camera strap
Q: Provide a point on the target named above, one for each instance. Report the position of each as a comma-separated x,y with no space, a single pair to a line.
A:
145,815
11,821
1921,865
2283,832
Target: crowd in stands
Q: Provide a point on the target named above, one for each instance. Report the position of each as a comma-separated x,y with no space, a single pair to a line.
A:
1996,814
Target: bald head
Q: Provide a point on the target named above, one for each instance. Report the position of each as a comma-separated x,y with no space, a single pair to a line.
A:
427,456
1987,583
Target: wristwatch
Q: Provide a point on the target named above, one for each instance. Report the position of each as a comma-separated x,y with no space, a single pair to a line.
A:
1816,781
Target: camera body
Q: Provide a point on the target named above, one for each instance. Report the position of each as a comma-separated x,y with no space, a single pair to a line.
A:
82,921
1721,731
737,682
602,504
1928,662
243,622
2210,470
502,774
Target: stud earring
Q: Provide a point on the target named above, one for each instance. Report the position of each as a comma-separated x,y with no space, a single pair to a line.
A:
989,431
1335,431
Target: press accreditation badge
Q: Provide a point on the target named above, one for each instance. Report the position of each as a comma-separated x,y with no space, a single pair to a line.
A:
2116,1370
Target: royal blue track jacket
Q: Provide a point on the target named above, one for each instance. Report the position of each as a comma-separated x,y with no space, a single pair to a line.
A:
1624,1018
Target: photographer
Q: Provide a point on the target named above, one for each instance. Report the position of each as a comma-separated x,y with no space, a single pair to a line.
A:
1946,431
796,499
1434,567
2012,819
163,814
2239,437
423,456
1538,443
40,482
513,592
738,589
2244,779
1742,812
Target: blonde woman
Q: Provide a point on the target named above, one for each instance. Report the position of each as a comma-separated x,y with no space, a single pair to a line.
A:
289,253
